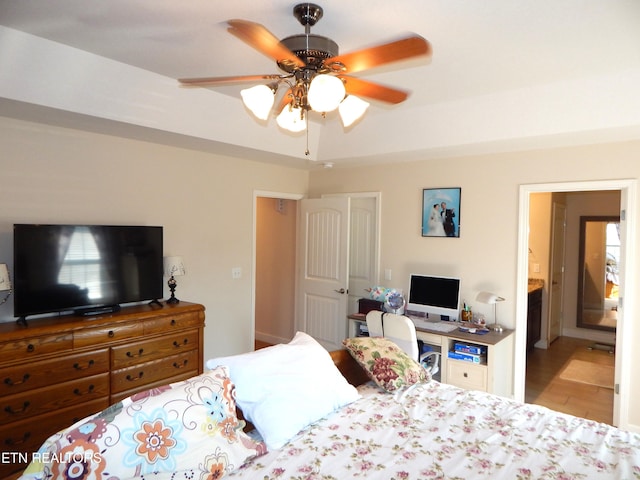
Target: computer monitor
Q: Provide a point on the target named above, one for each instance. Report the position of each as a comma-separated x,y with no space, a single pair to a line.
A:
437,297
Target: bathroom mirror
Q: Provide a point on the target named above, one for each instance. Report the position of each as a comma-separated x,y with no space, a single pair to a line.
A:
598,275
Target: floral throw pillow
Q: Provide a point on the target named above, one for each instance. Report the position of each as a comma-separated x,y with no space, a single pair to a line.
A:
386,363
189,425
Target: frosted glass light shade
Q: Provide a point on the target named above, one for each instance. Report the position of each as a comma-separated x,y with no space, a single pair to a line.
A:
351,109
292,119
259,100
325,93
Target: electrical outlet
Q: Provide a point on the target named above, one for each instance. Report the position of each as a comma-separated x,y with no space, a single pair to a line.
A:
536,268
236,272
387,274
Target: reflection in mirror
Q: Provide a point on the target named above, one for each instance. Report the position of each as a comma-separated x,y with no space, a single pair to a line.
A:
598,278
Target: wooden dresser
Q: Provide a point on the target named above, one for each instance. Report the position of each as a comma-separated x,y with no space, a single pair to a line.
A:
58,370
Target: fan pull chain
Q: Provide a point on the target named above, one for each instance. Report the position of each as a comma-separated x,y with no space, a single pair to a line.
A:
306,151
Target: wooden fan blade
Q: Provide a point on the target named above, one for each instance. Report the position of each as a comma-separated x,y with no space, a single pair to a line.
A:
375,91
258,37
216,81
360,60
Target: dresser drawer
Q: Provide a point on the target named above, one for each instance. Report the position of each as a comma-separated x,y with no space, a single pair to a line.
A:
35,402
467,375
32,375
165,381
25,349
147,350
102,335
27,435
167,323
150,372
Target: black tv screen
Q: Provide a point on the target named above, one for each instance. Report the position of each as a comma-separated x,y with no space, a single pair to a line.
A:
83,267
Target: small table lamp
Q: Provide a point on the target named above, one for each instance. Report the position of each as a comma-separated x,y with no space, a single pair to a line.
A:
5,282
491,299
173,267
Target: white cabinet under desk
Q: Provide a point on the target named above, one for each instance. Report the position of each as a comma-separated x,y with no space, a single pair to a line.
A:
493,374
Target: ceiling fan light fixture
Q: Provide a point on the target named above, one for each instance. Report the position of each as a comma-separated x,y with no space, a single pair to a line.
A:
259,100
325,93
292,119
352,109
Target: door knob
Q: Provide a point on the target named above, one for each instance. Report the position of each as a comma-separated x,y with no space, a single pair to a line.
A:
341,291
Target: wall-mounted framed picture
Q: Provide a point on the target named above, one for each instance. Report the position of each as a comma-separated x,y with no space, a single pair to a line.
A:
441,212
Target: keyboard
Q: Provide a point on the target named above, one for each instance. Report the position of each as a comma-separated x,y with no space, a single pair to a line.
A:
443,327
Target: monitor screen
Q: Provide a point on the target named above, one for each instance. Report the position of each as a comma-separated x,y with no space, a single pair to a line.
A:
439,296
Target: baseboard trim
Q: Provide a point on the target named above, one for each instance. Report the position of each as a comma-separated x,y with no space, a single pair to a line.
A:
269,338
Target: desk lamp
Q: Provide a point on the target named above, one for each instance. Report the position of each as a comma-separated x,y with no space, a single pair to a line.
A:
491,299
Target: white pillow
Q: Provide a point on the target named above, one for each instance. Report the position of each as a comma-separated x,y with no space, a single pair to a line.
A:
283,388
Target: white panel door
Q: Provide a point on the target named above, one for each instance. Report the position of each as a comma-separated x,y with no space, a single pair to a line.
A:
363,249
554,329
323,273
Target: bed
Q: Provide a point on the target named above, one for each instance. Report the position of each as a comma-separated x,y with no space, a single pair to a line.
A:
311,422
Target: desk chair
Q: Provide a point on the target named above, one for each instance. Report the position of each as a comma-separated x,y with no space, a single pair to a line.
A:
402,331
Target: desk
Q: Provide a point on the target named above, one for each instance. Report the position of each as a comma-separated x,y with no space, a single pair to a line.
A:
493,376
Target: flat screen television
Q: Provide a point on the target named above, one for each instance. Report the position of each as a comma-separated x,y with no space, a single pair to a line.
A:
85,268
437,297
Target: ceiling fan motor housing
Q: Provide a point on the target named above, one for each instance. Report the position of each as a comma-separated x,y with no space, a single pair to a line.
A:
311,49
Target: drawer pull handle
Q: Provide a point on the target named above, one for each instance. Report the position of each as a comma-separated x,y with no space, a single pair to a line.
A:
11,442
77,366
132,355
89,390
180,365
178,344
173,322
31,347
111,334
135,379
11,383
465,374
10,410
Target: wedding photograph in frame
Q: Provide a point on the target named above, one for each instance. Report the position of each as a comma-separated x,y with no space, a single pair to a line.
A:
441,212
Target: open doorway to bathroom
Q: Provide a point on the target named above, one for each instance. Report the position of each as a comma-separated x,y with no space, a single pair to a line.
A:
544,367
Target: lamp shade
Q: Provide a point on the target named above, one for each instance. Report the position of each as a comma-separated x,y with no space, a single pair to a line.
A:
489,298
173,266
325,93
259,100
5,281
292,119
351,109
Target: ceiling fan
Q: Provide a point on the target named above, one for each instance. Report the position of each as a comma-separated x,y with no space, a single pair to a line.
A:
316,76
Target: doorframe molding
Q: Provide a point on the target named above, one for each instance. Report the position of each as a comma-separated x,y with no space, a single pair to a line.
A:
261,194
628,195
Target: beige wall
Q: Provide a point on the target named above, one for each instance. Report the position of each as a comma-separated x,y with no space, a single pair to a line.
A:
275,269
204,202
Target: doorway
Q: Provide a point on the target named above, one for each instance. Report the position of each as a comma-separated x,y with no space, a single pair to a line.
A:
627,190
273,292
273,302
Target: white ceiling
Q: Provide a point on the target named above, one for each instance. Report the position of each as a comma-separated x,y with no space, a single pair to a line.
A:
504,75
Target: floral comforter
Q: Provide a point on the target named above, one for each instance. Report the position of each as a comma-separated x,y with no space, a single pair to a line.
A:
438,431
